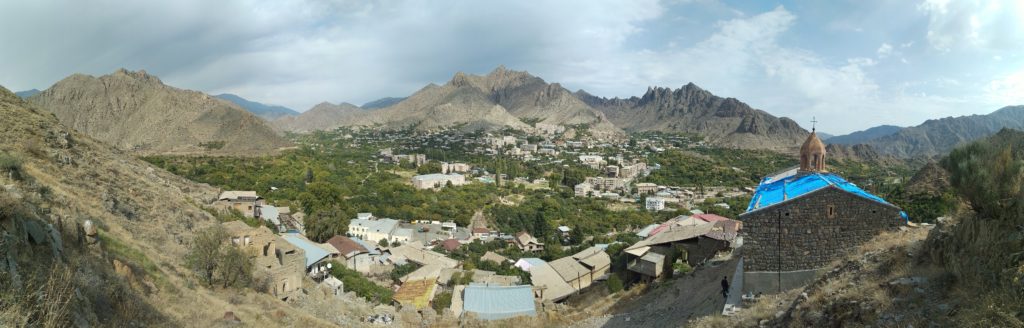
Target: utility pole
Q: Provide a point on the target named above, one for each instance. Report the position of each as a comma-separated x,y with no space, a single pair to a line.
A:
778,247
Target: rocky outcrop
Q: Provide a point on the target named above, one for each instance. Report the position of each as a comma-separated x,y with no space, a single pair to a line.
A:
721,121
136,111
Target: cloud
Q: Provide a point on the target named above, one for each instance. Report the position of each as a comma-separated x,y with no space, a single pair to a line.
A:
990,24
1007,90
884,50
299,53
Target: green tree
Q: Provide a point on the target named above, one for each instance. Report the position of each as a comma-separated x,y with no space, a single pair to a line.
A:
235,268
383,242
205,254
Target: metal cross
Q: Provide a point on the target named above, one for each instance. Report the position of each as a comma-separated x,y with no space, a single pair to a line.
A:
814,122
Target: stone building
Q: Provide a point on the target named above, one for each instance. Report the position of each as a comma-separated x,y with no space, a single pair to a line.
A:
800,220
276,261
246,202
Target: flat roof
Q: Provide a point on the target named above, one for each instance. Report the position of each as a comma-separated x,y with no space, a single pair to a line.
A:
499,302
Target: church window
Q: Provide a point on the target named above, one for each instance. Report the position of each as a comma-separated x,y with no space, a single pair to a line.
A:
831,211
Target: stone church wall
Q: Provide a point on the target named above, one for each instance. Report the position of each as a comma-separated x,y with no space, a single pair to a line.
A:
810,237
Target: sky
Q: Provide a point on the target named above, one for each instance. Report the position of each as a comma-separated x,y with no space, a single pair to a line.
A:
848,64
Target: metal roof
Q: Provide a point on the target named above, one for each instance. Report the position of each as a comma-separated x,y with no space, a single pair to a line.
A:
777,189
314,252
499,302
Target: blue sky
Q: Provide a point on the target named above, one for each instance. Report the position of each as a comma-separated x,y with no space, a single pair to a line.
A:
851,64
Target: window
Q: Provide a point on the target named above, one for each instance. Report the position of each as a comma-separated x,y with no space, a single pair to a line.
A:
831,211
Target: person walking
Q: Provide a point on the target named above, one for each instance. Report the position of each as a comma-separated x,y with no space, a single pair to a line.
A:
725,287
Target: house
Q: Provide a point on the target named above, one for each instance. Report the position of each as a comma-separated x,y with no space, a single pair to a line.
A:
437,180
421,256
317,255
349,252
282,264
800,220
246,202
549,285
372,229
583,189
699,246
450,245
527,243
455,168
581,269
493,257
646,188
272,215
498,302
481,233
564,231
654,204
333,286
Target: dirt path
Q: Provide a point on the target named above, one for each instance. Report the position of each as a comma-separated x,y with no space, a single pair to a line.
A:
672,304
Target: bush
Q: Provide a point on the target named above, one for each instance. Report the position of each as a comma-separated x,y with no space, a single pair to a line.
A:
614,284
12,166
442,302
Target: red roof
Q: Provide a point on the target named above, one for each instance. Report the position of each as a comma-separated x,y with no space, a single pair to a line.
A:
450,244
345,245
481,230
710,217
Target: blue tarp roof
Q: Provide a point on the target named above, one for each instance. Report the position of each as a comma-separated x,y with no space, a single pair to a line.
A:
499,302
774,190
313,252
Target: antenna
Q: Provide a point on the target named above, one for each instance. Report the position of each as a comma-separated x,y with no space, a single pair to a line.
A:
814,122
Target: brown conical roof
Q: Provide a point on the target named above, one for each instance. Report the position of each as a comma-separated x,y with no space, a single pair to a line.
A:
812,145
812,154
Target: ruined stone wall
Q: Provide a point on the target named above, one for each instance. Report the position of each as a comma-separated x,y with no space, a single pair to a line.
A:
810,237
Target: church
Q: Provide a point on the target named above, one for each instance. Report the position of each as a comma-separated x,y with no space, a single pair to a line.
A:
800,220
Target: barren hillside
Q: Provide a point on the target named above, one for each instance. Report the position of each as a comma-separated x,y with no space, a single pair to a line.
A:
136,111
146,219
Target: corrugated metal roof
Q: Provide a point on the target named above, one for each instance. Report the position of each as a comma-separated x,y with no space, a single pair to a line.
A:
314,252
569,268
499,302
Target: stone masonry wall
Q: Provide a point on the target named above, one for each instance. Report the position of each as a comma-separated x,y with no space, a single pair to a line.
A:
809,238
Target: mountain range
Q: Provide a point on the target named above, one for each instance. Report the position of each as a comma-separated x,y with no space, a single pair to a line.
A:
690,109
268,112
27,93
515,99
382,102
938,137
323,116
863,136
136,111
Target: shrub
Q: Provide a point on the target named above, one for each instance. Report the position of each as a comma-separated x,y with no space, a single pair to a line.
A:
12,166
614,284
442,302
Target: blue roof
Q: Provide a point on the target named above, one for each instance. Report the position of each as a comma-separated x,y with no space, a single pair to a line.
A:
774,190
313,252
499,302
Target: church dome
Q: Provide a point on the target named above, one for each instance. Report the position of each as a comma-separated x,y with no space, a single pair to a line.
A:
812,154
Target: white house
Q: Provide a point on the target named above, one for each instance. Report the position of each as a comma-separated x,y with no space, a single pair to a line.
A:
655,204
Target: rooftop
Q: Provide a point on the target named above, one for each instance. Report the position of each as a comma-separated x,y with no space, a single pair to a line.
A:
790,184
235,194
499,302
314,252
416,293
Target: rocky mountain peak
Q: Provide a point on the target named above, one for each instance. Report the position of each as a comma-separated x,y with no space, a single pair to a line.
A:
140,75
460,80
